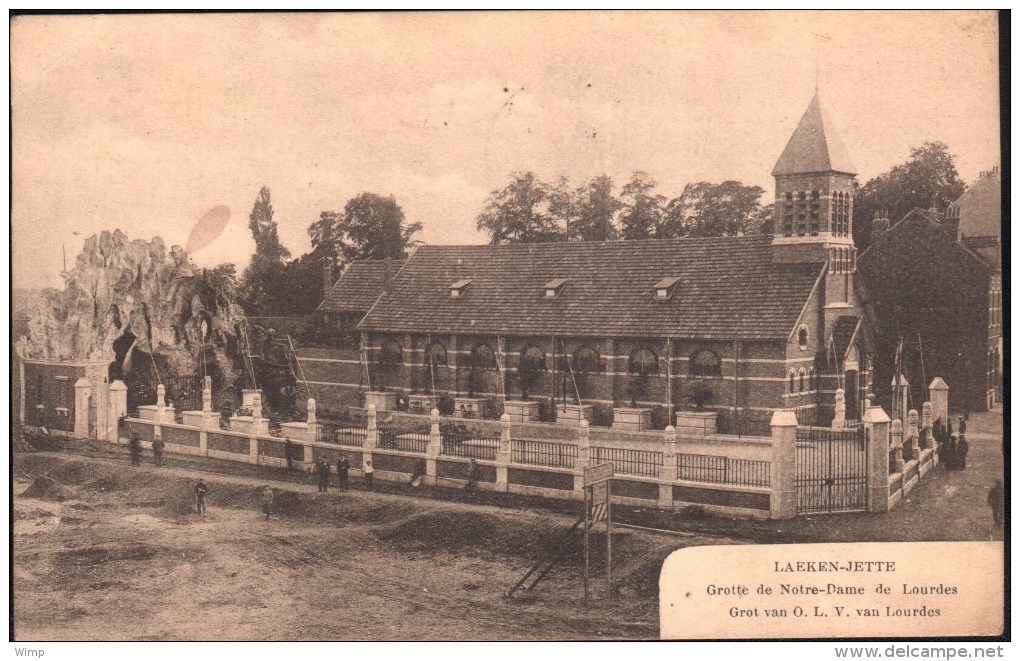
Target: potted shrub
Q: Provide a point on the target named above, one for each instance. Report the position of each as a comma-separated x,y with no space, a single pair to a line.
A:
697,421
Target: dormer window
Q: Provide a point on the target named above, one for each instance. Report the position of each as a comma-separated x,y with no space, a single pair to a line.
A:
664,288
458,288
554,287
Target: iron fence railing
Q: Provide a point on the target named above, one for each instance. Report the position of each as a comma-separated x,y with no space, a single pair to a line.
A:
403,439
347,434
646,463
723,470
543,453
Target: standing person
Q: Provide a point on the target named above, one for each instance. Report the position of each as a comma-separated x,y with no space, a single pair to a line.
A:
419,473
952,454
135,450
996,501
472,483
369,472
962,427
157,450
288,453
201,490
962,446
324,476
343,471
267,500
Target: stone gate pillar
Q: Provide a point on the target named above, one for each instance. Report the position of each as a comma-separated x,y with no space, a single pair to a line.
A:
82,395
783,497
938,391
118,408
876,427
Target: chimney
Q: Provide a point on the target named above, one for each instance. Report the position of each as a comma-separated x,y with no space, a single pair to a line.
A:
951,223
327,279
879,228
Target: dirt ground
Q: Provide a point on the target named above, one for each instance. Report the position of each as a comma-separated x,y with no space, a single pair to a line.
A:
103,551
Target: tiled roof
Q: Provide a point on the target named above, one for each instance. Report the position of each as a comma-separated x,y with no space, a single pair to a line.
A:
729,289
843,332
815,146
360,285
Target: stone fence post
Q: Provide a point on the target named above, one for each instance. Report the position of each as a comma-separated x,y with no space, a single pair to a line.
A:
927,433
311,413
207,394
583,455
371,428
876,427
668,474
503,455
913,434
783,496
434,447
896,447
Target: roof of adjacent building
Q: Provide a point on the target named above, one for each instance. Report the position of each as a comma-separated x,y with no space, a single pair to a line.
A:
930,221
815,146
360,285
729,288
980,208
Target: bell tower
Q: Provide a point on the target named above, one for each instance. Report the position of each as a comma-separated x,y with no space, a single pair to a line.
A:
814,196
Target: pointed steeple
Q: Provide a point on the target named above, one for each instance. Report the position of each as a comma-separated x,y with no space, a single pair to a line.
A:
815,146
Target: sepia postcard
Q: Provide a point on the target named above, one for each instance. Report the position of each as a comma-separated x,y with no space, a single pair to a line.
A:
509,326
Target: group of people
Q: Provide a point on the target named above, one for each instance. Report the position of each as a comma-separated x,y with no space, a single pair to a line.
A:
952,448
343,472
135,450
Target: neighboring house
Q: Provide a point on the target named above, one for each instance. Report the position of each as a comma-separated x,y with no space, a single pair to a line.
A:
351,296
330,365
939,290
767,322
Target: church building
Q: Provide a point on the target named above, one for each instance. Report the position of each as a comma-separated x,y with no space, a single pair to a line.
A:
734,326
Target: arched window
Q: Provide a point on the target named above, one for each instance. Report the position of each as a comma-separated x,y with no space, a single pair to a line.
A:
803,379
705,363
793,381
391,355
533,358
802,337
586,360
643,362
435,355
482,357
813,379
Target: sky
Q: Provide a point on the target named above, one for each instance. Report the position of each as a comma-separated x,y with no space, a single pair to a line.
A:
146,123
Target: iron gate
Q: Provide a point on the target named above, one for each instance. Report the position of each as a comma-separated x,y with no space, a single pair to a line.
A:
832,470
185,392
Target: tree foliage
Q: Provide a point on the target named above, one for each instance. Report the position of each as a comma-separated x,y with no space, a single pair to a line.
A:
706,209
596,212
928,178
375,228
642,208
519,213
259,290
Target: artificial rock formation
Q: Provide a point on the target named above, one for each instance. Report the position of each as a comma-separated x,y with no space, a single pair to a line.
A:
137,290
